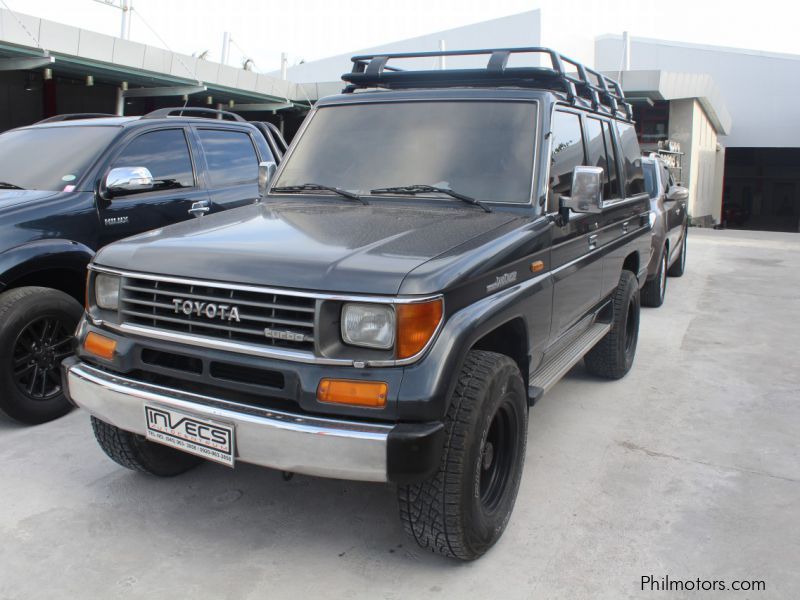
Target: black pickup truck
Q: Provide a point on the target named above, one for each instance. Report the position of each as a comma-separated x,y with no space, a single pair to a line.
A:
73,183
436,250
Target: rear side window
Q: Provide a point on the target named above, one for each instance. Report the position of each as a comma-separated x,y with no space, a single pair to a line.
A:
601,154
632,156
650,179
165,153
566,153
230,156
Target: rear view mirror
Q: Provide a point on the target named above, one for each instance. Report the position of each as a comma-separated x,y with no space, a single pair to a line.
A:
587,190
128,180
266,171
677,193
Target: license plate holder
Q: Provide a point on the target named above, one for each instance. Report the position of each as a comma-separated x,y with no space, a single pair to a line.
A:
184,431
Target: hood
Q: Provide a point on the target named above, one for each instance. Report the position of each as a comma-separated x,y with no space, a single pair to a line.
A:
310,245
9,198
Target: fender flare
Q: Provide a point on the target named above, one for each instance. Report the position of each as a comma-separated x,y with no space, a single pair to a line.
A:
427,385
41,255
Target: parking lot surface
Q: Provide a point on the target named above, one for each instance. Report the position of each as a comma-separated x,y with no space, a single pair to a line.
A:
688,467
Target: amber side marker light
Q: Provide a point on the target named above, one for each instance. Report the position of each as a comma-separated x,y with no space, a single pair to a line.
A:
416,323
99,346
355,393
537,266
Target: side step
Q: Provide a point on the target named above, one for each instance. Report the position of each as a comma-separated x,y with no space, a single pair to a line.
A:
550,372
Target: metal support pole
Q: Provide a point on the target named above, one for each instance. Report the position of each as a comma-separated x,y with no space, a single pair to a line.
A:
284,65
442,64
226,47
125,28
626,51
120,111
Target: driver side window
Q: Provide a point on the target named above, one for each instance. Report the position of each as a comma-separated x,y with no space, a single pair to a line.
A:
165,153
566,153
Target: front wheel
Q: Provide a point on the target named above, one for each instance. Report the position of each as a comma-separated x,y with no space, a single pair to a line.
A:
463,509
679,266
654,290
36,330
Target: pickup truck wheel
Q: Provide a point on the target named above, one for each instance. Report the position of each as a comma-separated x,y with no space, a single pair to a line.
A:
678,267
134,452
612,356
36,330
463,509
654,290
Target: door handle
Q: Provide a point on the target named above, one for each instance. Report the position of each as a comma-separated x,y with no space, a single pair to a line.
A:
593,241
199,208
625,227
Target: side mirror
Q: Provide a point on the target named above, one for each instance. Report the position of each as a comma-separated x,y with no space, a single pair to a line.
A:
266,171
121,181
587,191
677,193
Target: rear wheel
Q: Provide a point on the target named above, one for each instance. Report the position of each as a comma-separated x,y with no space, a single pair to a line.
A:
654,290
36,330
613,355
679,266
134,452
463,509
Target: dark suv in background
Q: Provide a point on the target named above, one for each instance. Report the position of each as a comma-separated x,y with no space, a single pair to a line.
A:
73,183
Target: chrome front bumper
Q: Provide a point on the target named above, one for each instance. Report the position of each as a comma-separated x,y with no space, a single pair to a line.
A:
289,442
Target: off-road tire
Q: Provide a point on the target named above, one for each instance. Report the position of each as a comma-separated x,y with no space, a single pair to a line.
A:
679,266
134,452
22,310
655,290
457,512
612,357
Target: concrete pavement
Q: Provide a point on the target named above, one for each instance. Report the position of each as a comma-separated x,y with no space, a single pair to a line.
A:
688,467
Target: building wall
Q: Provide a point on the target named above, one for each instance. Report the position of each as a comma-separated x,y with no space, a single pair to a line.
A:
523,29
701,167
760,89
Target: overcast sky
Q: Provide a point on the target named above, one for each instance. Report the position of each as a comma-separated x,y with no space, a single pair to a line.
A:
311,29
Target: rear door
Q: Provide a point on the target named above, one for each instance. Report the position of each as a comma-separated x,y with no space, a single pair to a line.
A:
231,162
576,264
166,154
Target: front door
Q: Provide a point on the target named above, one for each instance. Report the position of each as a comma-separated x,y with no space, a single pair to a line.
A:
165,153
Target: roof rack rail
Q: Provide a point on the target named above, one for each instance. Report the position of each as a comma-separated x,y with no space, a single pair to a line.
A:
272,134
74,117
371,70
166,112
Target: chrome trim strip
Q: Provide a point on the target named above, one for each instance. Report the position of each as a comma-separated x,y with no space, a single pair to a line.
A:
266,290
287,441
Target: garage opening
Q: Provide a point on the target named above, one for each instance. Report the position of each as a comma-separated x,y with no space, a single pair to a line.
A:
762,189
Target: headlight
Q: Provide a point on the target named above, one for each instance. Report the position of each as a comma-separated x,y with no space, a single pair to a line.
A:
106,291
368,325
652,218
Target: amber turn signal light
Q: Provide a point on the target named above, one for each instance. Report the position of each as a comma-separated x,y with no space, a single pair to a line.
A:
99,345
416,323
355,393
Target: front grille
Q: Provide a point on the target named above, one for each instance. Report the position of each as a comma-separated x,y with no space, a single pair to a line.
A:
265,319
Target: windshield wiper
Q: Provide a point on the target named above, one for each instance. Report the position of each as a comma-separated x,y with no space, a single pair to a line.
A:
4,185
421,188
310,187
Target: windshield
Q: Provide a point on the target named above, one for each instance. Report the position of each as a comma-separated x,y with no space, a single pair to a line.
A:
50,158
480,149
650,182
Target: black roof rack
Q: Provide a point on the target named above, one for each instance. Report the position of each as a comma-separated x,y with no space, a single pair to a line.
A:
166,112
605,94
74,117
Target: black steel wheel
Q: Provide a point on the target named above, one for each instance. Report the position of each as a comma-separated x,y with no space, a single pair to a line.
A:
463,509
36,332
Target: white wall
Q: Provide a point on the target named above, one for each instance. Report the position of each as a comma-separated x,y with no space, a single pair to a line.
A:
517,30
760,89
